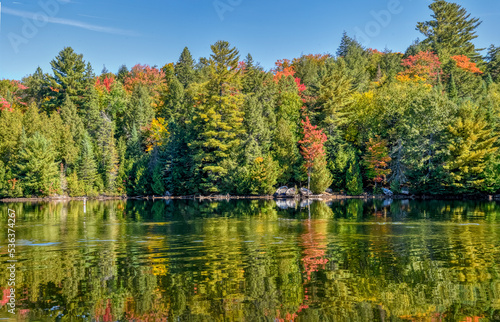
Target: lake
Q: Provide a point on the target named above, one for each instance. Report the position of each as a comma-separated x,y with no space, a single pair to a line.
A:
257,260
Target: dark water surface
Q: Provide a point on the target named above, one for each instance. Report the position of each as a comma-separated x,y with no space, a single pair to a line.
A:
254,261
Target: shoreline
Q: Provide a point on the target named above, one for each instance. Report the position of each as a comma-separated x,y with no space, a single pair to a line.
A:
265,197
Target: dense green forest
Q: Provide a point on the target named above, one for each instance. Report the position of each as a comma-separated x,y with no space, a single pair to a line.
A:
427,120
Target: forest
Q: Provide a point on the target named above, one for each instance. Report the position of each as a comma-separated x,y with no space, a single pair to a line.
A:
426,120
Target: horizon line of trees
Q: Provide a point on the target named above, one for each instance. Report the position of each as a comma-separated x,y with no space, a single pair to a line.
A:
427,120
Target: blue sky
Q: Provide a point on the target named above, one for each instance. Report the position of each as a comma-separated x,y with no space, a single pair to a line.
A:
154,32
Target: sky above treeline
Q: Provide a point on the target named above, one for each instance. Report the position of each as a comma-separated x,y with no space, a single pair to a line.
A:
113,33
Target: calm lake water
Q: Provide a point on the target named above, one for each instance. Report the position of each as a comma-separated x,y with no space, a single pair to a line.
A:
254,261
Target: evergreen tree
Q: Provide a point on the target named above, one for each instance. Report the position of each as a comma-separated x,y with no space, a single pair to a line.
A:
218,118
321,178
356,59
87,167
37,170
139,112
184,69
122,73
286,152
70,117
37,87
70,77
493,63
354,182
335,97
452,89
471,144
451,31
106,154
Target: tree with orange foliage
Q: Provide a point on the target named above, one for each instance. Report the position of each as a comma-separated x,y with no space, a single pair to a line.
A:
424,65
463,62
151,78
377,160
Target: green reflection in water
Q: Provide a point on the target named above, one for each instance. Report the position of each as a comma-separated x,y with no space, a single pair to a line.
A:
255,261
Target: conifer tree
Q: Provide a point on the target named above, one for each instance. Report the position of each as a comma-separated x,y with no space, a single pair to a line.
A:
218,117
321,178
452,89
106,154
70,77
493,63
184,68
70,117
356,59
87,167
451,31
36,167
471,143
354,182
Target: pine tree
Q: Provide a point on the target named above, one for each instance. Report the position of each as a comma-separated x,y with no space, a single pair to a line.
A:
107,156
122,73
356,59
262,176
70,77
335,96
452,89
157,186
36,167
321,178
451,31
354,182
286,152
493,63
87,167
61,137
218,118
471,143
70,117
139,111
184,69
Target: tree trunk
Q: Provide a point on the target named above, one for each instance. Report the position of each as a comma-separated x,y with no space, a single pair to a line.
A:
308,179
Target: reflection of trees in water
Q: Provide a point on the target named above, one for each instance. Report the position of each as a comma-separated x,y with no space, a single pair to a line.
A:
250,260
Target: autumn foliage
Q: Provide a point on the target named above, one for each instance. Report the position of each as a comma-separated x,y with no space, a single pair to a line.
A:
377,159
312,145
151,78
284,69
105,83
424,65
463,62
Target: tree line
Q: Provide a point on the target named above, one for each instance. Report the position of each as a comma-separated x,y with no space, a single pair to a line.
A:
426,121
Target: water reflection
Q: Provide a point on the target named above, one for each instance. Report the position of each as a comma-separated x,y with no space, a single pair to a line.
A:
254,260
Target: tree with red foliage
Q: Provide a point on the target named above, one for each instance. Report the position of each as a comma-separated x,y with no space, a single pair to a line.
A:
152,78
312,146
104,83
377,160
425,65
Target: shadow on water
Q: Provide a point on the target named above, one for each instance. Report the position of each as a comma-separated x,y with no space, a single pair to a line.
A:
252,260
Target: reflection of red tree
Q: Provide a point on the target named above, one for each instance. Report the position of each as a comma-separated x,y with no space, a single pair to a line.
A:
314,244
314,250
104,314
6,296
160,312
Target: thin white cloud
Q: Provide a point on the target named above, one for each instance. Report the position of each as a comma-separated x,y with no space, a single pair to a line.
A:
68,22
89,16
